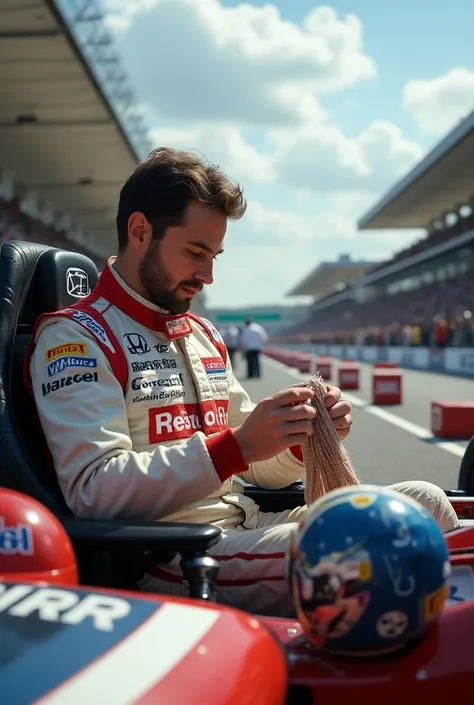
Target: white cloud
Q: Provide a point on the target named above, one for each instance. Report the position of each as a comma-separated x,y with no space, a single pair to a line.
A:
198,60
320,159
264,227
331,231
243,86
223,144
324,159
438,104
222,72
270,250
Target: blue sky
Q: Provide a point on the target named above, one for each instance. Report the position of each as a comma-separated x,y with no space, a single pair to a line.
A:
316,109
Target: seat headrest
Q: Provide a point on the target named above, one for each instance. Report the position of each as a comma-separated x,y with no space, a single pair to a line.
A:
60,279
36,279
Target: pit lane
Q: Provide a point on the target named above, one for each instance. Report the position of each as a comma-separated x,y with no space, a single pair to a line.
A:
382,451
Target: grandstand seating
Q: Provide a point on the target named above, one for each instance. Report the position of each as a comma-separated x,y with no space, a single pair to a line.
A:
436,237
350,322
16,225
387,319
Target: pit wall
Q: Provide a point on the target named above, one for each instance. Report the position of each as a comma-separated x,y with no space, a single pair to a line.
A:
455,361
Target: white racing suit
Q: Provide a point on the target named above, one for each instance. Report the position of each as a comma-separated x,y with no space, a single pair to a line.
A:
137,408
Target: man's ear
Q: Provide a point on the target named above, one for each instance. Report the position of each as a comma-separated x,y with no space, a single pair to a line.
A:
139,231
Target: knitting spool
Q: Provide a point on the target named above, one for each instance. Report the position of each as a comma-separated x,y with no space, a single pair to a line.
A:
327,462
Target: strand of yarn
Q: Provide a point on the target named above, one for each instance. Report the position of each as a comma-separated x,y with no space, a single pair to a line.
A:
327,462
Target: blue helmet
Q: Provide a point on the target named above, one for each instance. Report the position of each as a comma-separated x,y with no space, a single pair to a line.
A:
368,568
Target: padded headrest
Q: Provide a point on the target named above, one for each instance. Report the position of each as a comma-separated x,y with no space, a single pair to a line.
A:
60,279
39,279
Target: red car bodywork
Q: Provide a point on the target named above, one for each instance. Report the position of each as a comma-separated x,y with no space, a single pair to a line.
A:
155,652
239,659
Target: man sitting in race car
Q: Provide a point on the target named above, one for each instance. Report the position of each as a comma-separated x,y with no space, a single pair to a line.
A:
139,405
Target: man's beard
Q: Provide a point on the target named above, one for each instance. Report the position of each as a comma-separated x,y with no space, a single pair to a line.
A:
159,284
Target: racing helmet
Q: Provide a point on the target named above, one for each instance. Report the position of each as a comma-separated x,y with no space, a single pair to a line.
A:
368,568
33,544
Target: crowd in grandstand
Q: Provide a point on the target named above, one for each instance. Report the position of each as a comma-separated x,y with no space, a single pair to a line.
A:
433,315
17,225
434,238
436,315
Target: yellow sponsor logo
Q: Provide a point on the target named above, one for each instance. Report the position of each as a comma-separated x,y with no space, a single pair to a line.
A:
365,571
361,501
65,349
434,602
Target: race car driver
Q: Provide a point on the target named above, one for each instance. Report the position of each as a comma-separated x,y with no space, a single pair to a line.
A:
139,405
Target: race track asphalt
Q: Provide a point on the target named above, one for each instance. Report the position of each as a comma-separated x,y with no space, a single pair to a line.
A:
392,448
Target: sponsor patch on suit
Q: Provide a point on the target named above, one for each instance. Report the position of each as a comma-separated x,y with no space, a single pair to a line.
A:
65,349
63,363
179,421
215,368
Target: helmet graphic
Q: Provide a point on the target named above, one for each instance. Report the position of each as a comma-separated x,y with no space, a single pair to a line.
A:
368,568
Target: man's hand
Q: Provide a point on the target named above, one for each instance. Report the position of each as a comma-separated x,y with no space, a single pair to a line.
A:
277,423
339,411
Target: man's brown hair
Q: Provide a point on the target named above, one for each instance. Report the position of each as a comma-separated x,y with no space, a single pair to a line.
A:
163,185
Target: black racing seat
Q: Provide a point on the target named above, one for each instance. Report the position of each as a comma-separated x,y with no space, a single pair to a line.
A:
33,279
36,279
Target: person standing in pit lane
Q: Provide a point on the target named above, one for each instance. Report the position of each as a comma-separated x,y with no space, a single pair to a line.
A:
252,340
231,339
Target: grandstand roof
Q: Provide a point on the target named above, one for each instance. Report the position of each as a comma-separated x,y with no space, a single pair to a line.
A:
441,182
328,276
59,134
